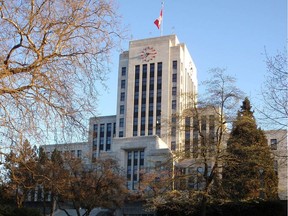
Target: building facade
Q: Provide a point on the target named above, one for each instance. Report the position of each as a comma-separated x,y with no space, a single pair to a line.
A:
153,77
157,79
277,139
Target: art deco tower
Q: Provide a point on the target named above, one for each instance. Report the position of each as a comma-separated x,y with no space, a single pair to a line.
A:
153,77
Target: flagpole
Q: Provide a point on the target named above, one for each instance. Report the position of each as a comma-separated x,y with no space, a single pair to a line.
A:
162,7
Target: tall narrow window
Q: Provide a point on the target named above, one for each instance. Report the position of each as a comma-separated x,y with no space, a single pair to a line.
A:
273,143
123,84
174,78
123,71
121,122
174,91
135,163
121,109
174,64
136,100
122,96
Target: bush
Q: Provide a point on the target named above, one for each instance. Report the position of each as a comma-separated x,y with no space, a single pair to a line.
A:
263,208
6,210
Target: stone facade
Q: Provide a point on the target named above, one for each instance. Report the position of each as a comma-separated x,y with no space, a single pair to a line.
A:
277,139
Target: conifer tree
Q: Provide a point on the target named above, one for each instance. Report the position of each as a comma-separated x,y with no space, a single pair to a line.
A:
249,171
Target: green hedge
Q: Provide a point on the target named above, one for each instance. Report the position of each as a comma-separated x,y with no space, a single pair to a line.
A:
267,208
6,210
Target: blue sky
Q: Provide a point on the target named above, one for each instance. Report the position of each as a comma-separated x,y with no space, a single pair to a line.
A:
218,33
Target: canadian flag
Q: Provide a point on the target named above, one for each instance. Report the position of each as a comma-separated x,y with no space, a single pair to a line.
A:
158,21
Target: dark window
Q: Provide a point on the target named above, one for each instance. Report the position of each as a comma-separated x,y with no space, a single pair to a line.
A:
174,64
109,127
136,95
122,84
114,129
159,69
135,122
121,122
174,91
273,143
152,68
121,109
143,108
79,153
122,96
123,71
174,77
137,70
174,104
108,140
120,133
109,130
95,127
136,108
203,123
144,75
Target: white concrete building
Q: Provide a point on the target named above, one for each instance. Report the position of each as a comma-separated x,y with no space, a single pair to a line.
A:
77,150
277,139
153,76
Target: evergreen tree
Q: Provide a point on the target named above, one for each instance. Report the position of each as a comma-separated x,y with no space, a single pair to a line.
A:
249,171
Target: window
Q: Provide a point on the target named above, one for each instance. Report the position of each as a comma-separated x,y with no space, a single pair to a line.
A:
102,128
173,145
108,127
174,105
136,109
122,96
273,143
121,122
203,123
159,69
121,109
144,71
122,84
136,95
123,71
79,153
120,133
135,163
174,77
95,130
174,64
174,91
95,127
152,68
108,144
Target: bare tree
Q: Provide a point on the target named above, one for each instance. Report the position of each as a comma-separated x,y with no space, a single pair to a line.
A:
101,184
275,90
204,127
54,54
